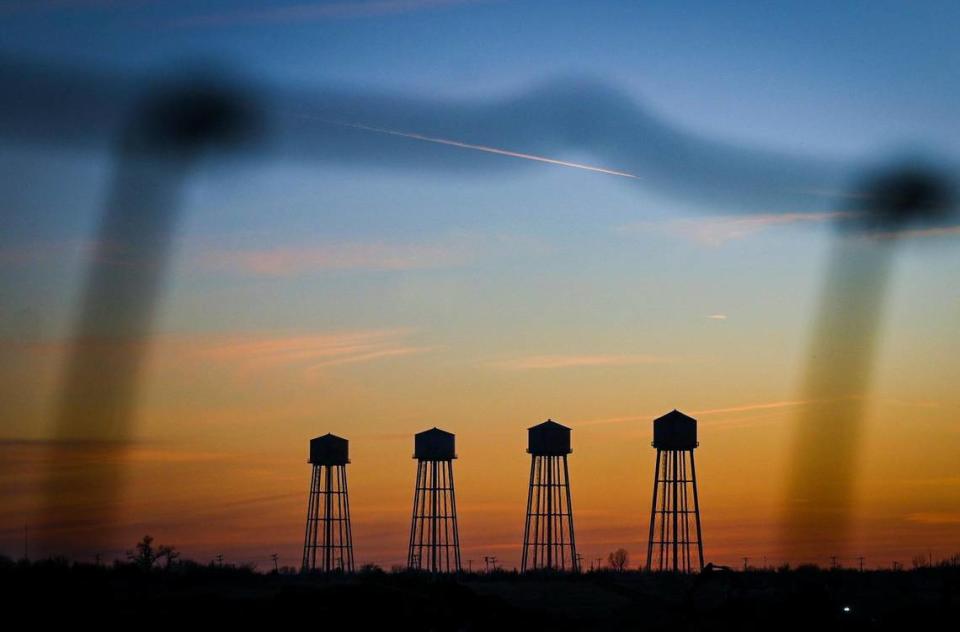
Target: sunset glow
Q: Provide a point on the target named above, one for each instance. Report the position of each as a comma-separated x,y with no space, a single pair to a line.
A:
485,284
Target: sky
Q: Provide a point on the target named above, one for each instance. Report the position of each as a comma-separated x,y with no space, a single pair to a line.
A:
377,298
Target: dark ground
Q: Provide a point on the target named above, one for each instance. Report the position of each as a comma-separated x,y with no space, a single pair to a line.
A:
55,592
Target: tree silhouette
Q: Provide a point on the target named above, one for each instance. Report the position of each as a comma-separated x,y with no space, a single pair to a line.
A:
618,560
146,556
168,554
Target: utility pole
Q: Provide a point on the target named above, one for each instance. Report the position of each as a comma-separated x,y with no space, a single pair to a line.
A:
469,566
599,563
833,562
746,561
490,560
219,559
579,562
276,563
861,563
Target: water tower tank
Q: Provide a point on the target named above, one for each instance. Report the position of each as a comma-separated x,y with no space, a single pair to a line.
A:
329,450
675,431
434,445
548,439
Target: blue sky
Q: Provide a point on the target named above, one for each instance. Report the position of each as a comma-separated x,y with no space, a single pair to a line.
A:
502,290
855,82
791,73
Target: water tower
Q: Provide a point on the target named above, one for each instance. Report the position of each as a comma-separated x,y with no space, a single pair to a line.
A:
548,540
674,489
328,544
434,535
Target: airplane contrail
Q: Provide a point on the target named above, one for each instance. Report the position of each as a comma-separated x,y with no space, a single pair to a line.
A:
704,412
490,150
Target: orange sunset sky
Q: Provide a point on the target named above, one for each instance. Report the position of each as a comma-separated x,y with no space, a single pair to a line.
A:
377,298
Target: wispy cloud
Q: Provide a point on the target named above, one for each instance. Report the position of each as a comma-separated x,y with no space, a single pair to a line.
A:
751,407
715,231
253,352
282,260
755,406
317,11
918,233
717,316
308,352
70,452
292,260
934,517
14,7
42,251
704,412
576,361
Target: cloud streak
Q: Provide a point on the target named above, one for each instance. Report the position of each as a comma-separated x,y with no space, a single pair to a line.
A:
917,233
308,352
578,361
716,231
756,406
704,412
252,352
316,11
377,256
43,251
935,517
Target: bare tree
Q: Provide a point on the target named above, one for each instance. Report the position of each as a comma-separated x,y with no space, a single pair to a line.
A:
618,560
168,554
146,556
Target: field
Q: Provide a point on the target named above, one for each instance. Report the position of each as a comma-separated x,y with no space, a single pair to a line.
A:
56,591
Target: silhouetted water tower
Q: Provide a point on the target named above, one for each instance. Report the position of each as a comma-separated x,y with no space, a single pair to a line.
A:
674,487
434,535
328,544
548,539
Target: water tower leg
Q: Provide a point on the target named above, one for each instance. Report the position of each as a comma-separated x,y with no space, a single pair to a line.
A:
696,509
653,510
573,540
